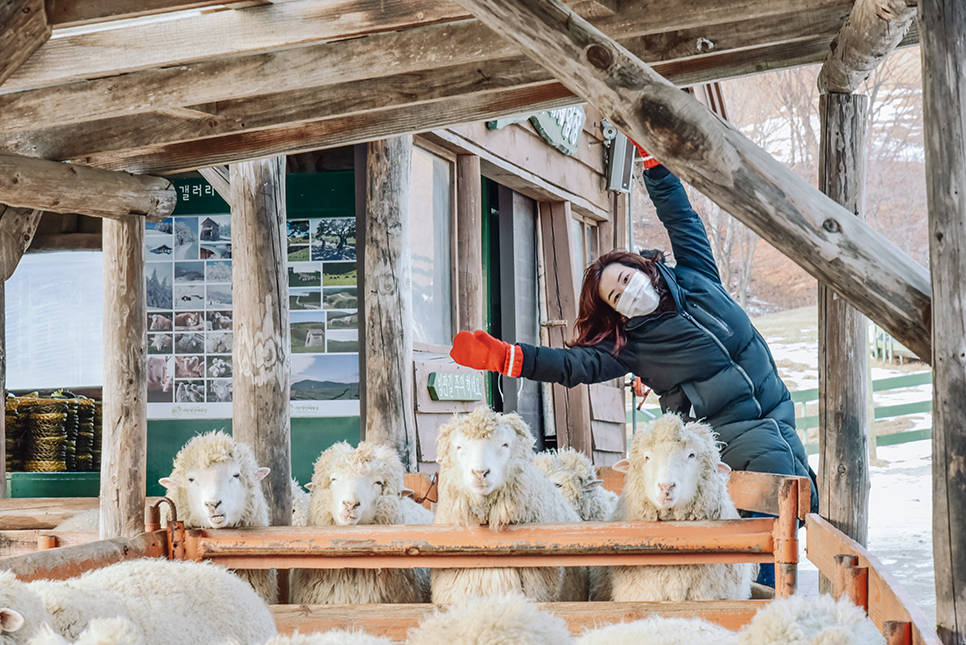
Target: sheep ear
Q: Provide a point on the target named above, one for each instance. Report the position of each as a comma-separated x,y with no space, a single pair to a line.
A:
594,483
622,466
724,468
310,486
11,620
407,492
170,482
262,473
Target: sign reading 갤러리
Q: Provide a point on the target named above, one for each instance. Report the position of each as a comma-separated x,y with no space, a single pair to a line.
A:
455,386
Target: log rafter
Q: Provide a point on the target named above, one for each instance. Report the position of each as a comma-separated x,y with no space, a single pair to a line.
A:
873,30
23,29
825,239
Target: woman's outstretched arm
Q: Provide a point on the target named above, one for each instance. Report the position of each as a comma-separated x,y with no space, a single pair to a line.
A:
689,240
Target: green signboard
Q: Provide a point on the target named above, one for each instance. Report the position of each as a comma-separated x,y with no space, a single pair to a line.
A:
455,386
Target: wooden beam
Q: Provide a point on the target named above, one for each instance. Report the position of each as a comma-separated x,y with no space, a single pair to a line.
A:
843,351
874,28
818,234
182,77
23,29
39,184
388,299
942,25
261,352
469,252
217,176
124,442
65,242
571,406
17,229
73,13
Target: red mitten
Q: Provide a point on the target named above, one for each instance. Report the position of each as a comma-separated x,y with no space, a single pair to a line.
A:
649,160
481,351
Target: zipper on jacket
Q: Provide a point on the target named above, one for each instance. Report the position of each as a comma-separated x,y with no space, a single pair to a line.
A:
728,354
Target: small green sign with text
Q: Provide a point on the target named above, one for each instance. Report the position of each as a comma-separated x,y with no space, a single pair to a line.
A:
455,386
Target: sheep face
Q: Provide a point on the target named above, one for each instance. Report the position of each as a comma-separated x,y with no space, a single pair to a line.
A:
359,485
22,613
482,461
670,460
354,496
217,494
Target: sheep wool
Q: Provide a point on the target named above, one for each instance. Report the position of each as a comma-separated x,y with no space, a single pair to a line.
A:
356,586
572,472
205,451
510,619
333,637
170,602
88,520
300,504
100,631
710,501
660,631
810,620
525,496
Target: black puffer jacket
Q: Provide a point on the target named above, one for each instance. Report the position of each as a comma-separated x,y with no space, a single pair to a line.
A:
705,354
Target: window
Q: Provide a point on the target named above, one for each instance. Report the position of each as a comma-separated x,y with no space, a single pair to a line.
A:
430,225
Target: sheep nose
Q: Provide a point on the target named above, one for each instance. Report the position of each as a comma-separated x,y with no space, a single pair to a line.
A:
480,474
666,488
350,505
213,505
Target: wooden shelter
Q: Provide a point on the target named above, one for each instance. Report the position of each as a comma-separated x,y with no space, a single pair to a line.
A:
94,84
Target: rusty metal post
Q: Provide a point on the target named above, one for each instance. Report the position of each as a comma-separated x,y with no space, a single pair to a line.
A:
786,539
45,542
152,518
851,580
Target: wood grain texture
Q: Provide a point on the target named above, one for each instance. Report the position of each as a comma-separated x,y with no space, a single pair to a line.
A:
124,441
261,352
823,238
388,299
469,252
26,182
17,229
218,178
3,384
44,512
844,423
71,561
942,25
874,28
23,29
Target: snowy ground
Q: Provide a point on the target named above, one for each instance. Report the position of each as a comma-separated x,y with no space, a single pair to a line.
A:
900,499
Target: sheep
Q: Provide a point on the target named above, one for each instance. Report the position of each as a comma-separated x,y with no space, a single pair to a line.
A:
157,322
157,596
656,630
333,637
674,472
100,631
214,483
189,393
160,342
218,367
218,342
810,620
219,391
360,486
88,520
189,321
189,367
509,619
158,374
573,474
488,477
300,504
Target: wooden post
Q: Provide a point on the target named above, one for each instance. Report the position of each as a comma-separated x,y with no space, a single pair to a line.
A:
571,405
388,299
469,227
261,353
866,269
3,389
23,29
942,33
843,485
123,457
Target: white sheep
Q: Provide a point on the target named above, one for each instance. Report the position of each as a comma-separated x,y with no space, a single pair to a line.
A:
674,472
300,504
510,619
488,477
171,602
360,486
656,630
88,520
215,483
810,620
100,631
572,472
333,637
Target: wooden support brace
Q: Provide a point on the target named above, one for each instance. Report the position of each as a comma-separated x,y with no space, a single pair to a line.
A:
23,29
17,229
26,182
217,176
786,539
825,239
897,632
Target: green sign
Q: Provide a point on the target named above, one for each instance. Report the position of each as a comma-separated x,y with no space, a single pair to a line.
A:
560,128
455,386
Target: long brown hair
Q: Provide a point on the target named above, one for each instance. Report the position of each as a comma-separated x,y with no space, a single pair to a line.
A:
596,320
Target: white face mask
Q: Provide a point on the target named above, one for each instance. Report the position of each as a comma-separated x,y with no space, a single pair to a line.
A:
639,297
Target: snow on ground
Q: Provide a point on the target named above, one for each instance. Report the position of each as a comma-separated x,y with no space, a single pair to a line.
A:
900,498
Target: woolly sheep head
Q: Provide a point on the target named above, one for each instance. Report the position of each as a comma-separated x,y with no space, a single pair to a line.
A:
570,471
485,448
355,485
216,476
670,459
99,631
22,614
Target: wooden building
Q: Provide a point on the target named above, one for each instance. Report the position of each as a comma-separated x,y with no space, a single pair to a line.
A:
114,94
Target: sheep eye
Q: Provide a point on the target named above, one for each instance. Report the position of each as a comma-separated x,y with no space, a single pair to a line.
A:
191,479
558,485
237,475
691,456
506,445
379,483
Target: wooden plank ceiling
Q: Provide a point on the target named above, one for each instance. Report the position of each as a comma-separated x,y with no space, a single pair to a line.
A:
198,84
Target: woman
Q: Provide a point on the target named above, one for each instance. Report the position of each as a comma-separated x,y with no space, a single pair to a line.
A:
680,332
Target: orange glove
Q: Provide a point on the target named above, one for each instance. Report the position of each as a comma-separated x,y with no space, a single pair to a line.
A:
481,351
649,160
